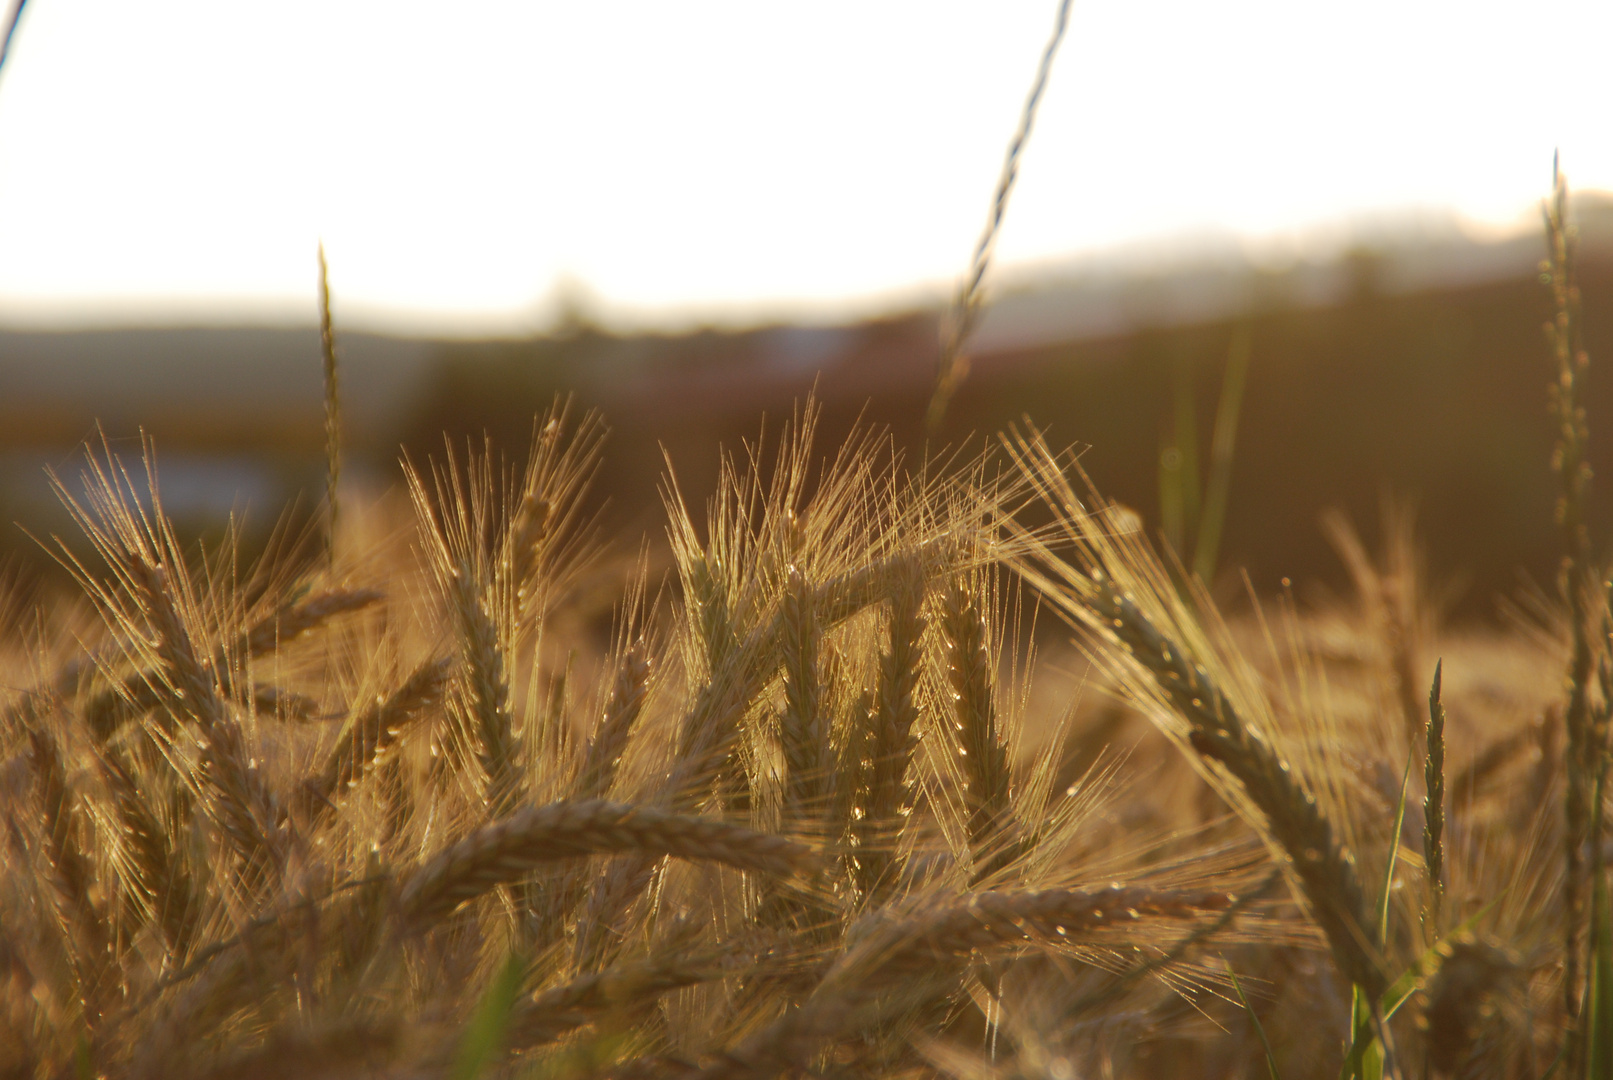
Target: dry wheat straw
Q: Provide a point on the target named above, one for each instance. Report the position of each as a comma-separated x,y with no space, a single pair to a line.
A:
506,851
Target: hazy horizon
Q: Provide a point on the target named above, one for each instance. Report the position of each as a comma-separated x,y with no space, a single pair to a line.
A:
737,163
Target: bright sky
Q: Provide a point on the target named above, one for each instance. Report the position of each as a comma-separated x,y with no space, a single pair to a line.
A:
179,159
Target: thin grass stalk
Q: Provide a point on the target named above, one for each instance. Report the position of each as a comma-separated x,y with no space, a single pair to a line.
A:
983,757
1218,489
333,412
953,365
1573,479
1434,807
11,31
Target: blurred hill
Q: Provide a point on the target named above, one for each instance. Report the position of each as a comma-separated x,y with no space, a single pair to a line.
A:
1413,364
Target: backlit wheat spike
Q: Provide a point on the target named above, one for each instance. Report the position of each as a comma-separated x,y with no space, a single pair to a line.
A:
984,758
242,804
488,690
165,888
142,692
71,872
289,623
504,852
372,733
804,726
622,712
890,794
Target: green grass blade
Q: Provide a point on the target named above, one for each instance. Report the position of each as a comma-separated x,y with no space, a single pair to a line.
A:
1599,998
1265,1043
1363,1059
484,1038
1394,852
1207,545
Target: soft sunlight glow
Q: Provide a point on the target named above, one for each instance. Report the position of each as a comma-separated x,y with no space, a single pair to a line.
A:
179,160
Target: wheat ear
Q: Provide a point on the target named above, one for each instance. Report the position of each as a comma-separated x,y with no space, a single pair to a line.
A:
158,875
372,733
243,806
917,940
138,694
72,875
1325,868
508,850
293,620
890,795
622,712
984,758
1434,805
1573,478
488,690
804,728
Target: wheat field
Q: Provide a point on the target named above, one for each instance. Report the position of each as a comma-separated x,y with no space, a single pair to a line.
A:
877,767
